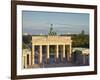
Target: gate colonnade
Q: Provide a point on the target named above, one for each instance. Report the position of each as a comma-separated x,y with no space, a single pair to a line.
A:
63,43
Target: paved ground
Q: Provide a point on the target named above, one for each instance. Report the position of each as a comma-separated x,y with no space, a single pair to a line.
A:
55,65
60,65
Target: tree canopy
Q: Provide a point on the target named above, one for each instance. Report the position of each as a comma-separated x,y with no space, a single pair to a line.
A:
80,40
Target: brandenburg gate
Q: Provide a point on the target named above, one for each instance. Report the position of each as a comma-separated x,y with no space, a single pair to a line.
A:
62,45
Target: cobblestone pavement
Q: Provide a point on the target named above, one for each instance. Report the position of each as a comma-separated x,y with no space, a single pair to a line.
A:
61,65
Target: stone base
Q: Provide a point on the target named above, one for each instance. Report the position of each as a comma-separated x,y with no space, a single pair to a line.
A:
47,61
56,60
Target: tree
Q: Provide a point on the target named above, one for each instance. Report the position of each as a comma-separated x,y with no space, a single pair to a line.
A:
27,39
24,46
80,40
82,32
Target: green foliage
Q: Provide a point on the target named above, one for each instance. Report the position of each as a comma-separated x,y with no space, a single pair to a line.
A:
78,52
82,33
27,39
24,46
80,40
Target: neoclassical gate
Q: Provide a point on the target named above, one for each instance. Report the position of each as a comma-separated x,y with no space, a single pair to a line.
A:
62,46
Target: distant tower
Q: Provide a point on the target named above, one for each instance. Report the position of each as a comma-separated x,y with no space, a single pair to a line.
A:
51,25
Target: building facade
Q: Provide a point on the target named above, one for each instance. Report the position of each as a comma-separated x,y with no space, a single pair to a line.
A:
26,58
61,45
59,42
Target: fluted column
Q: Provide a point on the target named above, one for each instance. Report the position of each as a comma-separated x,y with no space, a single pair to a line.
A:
25,61
63,54
56,54
84,58
29,59
40,55
47,55
70,50
33,54
69,53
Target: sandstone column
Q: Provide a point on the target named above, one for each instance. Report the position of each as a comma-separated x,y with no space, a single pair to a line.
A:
47,55
40,55
33,54
56,53
69,52
30,59
25,61
63,54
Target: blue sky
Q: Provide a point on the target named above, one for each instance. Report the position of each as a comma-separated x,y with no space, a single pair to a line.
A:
35,22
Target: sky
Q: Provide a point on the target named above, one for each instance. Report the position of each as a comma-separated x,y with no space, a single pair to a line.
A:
39,22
